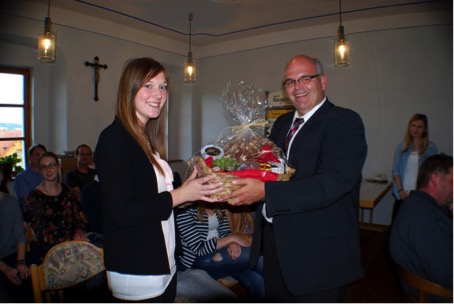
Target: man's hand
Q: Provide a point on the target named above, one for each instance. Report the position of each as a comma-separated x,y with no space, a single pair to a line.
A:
24,271
13,274
252,191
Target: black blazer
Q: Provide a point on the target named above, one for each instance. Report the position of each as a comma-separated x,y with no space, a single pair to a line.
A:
315,214
132,207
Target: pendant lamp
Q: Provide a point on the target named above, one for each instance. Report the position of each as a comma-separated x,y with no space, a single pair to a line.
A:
46,40
341,45
190,72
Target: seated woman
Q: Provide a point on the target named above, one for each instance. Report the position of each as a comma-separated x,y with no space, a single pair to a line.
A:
241,222
209,244
53,210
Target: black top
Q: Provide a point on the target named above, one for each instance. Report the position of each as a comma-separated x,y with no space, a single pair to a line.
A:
132,207
75,178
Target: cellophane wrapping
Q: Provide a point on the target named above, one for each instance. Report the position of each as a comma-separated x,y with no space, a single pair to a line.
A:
242,151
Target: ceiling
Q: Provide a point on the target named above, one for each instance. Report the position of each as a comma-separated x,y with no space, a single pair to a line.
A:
217,21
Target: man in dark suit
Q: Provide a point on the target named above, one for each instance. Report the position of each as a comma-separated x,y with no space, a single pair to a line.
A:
307,228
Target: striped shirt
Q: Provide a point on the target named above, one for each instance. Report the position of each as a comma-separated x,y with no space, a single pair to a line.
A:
194,234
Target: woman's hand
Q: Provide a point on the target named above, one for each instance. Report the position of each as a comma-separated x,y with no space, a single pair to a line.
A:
402,195
196,189
234,250
245,239
242,241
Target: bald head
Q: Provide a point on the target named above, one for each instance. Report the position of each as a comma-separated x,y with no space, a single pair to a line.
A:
305,83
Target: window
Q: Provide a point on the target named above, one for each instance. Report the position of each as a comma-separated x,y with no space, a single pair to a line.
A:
15,132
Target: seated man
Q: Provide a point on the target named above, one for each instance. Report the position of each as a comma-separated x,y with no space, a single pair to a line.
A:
421,239
80,176
14,273
30,178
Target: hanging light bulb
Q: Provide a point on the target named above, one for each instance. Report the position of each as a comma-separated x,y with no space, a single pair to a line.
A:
341,45
46,40
190,72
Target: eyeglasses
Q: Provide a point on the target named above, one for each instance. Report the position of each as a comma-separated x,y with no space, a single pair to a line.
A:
50,166
303,79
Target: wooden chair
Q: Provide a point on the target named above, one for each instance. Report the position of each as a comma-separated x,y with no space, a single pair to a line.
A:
31,236
83,217
423,286
65,265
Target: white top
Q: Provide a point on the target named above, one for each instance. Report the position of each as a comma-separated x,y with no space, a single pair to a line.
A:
213,225
140,287
411,172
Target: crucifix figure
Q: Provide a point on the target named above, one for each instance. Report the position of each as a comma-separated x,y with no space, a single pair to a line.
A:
96,66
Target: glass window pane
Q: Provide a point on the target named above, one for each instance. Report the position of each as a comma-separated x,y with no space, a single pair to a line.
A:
11,122
11,89
8,147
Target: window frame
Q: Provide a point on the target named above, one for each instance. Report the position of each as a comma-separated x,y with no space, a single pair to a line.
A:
27,132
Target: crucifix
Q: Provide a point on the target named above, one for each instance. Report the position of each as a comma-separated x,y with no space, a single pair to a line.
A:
96,66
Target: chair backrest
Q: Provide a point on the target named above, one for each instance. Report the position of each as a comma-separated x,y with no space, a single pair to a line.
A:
31,236
423,286
65,265
29,232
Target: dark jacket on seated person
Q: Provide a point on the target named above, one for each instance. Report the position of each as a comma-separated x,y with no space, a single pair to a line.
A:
90,202
421,240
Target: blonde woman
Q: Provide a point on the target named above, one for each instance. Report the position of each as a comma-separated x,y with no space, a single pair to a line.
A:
409,156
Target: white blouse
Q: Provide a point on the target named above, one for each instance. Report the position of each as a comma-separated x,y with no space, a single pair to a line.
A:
140,287
411,172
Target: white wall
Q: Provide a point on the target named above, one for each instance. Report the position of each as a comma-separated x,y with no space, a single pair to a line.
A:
64,112
395,72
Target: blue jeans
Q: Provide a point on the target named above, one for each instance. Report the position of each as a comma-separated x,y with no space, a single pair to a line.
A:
197,286
252,280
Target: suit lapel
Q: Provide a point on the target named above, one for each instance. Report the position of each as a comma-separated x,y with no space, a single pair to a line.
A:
304,134
279,135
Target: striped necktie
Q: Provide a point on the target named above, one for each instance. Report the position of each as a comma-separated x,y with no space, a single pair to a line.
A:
291,132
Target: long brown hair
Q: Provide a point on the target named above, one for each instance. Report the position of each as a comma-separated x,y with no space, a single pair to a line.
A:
240,219
408,139
201,210
136,73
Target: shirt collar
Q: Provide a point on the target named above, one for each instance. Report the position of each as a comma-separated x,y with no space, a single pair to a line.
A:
310,113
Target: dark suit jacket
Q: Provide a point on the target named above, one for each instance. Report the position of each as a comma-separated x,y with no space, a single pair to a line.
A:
132,207
315,214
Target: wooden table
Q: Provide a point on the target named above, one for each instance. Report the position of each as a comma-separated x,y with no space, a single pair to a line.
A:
371,193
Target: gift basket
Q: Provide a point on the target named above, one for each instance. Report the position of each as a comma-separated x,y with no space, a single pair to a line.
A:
243,151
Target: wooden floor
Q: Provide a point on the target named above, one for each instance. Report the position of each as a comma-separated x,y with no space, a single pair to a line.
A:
379,285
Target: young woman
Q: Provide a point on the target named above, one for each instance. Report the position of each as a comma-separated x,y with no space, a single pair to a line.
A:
209,244
409,156
53,210
137,191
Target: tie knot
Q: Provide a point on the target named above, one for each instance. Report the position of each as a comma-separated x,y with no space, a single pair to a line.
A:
298,121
